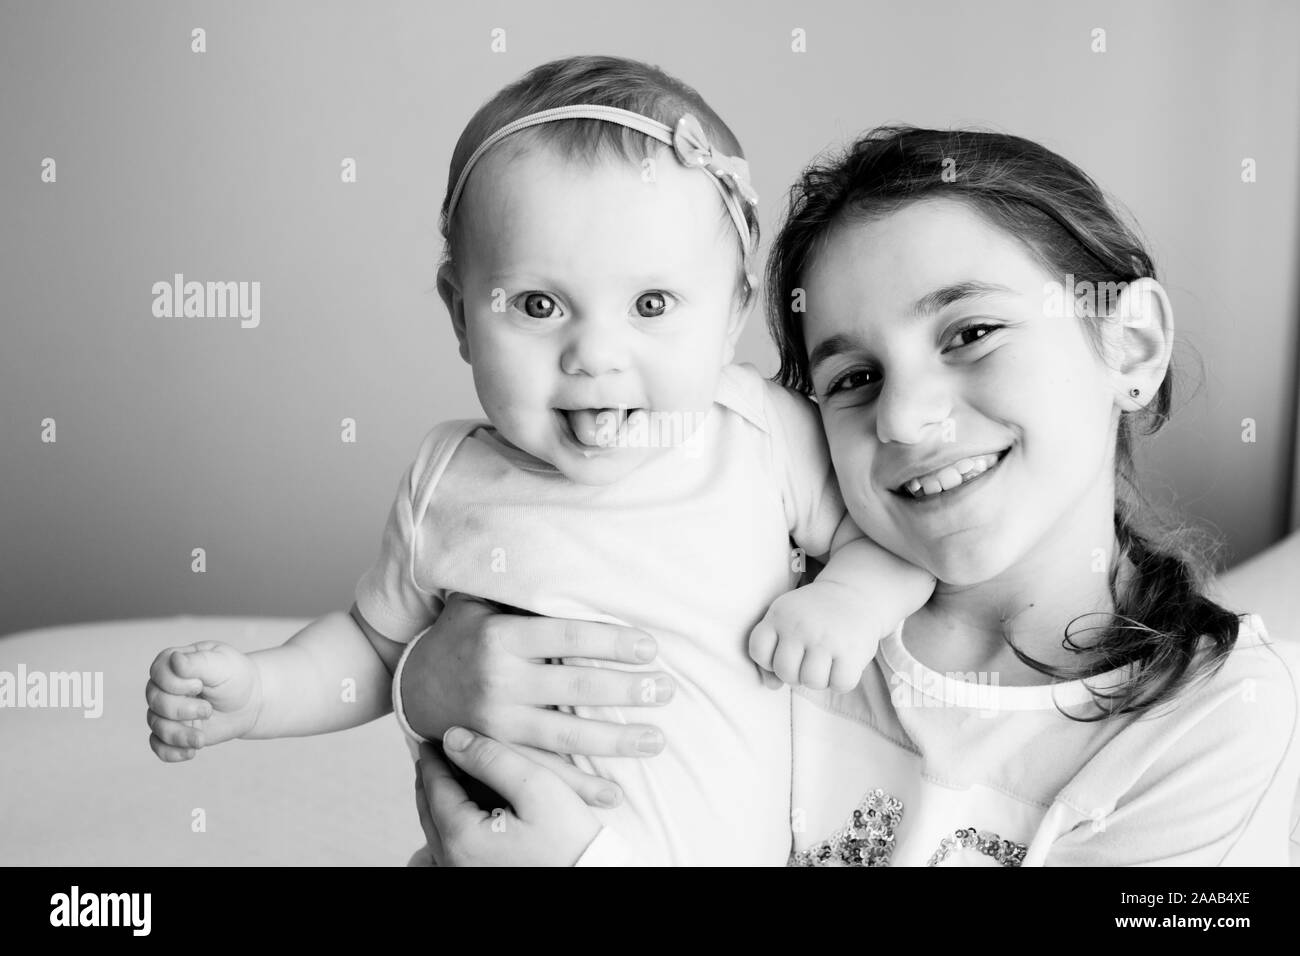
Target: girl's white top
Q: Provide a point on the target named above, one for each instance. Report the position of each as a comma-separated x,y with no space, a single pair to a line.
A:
1205,781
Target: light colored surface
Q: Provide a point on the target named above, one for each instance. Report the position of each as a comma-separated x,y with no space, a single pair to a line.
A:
176,434
1268,585
89,792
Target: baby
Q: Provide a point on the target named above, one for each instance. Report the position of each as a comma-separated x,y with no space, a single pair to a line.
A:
601,233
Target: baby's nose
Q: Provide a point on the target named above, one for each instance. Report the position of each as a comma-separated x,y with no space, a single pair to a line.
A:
596,348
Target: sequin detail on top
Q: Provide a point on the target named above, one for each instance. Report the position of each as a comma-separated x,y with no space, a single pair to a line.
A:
1006,852
868,839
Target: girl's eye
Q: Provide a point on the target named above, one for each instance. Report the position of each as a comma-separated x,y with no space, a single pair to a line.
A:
539,305
850,380
650,305
968,336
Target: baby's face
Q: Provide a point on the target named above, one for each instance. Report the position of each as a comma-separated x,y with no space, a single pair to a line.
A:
931,346
591,296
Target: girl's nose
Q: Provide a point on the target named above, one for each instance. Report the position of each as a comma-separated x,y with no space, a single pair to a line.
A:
595,348
906,411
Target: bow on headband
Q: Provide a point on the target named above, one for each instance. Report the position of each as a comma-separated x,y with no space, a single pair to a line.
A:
693,149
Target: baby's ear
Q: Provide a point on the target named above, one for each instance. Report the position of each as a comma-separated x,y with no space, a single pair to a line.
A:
742,305
449,289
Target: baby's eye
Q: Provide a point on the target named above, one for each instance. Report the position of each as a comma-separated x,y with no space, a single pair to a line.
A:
539,305
651,305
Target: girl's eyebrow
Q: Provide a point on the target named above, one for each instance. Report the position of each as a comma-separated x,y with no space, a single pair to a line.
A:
928,304
829,348
940,299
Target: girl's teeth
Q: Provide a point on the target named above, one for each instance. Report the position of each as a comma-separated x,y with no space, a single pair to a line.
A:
950,477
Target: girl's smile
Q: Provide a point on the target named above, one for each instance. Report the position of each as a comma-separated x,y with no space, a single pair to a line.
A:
946,485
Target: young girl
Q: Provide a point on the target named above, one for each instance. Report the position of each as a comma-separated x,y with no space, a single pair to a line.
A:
1069,695
600,228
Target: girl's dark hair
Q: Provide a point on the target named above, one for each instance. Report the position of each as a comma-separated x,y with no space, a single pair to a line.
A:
1068,225
591,81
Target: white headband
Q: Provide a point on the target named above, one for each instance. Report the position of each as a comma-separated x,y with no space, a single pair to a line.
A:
730,174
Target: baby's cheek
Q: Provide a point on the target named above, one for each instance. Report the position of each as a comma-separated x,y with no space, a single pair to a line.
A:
689,387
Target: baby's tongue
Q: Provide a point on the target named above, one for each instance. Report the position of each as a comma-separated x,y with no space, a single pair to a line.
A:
593,426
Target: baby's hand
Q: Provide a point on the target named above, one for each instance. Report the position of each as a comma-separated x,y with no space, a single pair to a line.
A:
200,695
820,635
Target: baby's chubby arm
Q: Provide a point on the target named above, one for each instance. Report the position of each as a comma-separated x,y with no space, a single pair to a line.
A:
826,633
333,674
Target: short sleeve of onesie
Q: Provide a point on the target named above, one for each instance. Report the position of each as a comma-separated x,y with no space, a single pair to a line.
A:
814,508
387,595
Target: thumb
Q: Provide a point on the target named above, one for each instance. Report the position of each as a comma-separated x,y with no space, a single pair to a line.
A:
533,790
210,666
439,798
207,666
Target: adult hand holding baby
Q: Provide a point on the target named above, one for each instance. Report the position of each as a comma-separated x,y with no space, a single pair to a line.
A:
547,824
486,669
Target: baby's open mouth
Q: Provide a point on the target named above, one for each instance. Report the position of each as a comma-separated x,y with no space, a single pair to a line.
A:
596,427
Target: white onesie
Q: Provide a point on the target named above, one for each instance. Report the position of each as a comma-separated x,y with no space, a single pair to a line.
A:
691,547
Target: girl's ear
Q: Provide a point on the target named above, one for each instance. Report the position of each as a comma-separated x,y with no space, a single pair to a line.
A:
1140,332
449,289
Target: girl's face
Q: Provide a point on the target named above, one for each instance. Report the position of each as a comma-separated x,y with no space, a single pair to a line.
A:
933,354
596,304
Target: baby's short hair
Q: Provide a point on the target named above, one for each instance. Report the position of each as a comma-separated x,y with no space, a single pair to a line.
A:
588,80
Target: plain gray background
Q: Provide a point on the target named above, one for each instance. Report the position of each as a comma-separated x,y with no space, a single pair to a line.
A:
183,433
